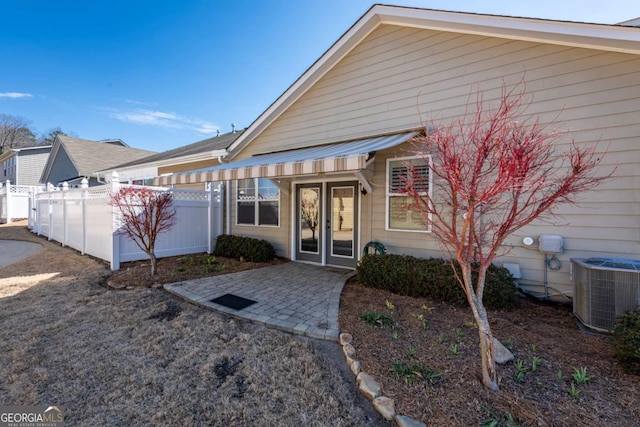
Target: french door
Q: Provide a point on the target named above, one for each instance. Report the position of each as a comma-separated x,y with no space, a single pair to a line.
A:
327,224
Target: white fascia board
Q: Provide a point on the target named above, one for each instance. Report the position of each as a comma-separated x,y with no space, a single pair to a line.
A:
132,174
576,34
207,155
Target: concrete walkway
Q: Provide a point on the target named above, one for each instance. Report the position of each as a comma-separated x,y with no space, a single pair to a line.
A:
299,298
16,250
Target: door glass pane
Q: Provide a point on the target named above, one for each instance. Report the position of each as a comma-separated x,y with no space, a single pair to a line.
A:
342,220
309,217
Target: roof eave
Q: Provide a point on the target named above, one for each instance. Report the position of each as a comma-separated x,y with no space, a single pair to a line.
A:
197,157
591,36
576,34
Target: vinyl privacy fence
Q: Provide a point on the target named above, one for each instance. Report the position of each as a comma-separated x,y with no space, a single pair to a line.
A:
85,220
15,201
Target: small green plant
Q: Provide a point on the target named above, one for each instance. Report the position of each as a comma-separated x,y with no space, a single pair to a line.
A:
573,391
395,335
423,321
389,305
458,335
535,363
411,373
442,339
376,319
497,420
522,370
426,307
411,352
560,375
533,348
520,366
508,343
182,270
210,260
454,349
580,375
186,261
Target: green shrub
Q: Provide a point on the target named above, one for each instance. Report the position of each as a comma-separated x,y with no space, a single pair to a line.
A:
626,341
249,249
433,278
376,319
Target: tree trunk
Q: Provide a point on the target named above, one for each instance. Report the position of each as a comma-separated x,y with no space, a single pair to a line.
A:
489,373
154,264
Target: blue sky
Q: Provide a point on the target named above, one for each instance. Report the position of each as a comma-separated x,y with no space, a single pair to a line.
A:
161,74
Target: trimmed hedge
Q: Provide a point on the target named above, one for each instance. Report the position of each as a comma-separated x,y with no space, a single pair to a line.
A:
626,341
248,248
433,278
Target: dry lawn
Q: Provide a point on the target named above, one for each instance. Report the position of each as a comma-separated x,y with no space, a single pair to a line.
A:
141,357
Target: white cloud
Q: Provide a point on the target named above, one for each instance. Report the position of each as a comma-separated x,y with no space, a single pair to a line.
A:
163,119
15,95
146,104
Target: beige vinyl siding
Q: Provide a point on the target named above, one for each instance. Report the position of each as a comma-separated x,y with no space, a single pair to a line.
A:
397,78
606,222
185,167
397,73
279,236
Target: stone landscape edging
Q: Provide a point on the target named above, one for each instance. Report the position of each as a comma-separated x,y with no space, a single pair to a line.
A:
371,389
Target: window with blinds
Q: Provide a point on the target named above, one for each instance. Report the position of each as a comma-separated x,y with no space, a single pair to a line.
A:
403,173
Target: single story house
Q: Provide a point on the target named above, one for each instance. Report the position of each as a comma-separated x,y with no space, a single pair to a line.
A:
72,159
313,173
201,154
24,165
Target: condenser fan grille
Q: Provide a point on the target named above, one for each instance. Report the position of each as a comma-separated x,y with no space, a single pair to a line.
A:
604,289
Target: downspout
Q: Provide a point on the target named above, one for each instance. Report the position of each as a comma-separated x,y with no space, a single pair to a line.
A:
227,208
227,198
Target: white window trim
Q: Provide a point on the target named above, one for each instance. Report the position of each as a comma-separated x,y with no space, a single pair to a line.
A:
256,202
388,195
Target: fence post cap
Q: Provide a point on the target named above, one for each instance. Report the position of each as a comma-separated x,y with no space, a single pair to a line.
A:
84,184
65,186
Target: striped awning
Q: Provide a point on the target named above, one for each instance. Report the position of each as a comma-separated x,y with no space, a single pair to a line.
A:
339,157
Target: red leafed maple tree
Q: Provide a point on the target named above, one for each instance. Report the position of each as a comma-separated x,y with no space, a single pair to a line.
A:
145,213
494,171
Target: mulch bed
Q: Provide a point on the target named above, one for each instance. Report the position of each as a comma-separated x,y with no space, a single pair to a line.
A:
423,334
177,269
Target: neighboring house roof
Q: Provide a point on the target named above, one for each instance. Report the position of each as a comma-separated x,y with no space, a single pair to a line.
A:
615,38
201,150
87,157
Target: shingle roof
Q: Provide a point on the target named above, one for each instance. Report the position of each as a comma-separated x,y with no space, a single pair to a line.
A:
91,156
210,144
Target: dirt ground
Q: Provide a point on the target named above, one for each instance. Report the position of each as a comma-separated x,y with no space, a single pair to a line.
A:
139,354
535,331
